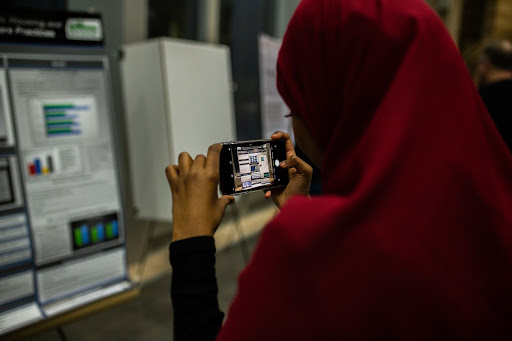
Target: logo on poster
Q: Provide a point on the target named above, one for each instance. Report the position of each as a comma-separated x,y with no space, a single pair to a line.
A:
84,29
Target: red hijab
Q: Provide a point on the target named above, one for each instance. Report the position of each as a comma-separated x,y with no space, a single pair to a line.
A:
413,237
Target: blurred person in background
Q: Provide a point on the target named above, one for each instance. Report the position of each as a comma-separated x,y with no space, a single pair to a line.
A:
495,84
411,238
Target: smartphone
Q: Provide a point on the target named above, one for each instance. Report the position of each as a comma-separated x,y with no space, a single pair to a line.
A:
252,165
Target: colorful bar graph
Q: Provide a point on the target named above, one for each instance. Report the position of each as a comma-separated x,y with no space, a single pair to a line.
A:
41,166
63,118
95,230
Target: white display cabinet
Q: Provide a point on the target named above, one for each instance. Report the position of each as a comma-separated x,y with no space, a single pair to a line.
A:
177,97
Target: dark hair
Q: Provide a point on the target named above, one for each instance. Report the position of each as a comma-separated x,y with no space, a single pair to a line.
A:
500,54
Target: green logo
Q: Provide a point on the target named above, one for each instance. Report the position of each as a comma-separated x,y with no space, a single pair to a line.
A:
84,29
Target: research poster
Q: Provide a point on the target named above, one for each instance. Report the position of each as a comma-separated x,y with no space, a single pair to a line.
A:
73,202
62,242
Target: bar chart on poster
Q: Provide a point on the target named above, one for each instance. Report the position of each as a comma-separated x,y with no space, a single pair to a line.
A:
41,163
63,118
91,232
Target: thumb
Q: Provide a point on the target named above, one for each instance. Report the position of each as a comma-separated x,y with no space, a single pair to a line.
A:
226,200
300,165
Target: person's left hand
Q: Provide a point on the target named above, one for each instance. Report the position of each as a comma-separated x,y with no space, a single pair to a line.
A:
196,208
299,173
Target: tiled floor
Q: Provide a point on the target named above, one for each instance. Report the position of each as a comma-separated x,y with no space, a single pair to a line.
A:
149,316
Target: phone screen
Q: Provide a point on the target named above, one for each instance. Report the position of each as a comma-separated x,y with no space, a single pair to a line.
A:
252,165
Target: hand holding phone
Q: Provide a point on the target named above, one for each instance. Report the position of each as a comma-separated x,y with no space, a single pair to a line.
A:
269,165
252,165
197,210
299,173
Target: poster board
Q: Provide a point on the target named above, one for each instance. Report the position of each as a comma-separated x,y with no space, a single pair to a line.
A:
273,108
62,241
184,90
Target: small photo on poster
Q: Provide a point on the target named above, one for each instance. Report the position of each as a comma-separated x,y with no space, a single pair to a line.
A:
3,129
95,230
6,183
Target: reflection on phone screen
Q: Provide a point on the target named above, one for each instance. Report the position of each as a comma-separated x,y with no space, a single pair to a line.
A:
252,167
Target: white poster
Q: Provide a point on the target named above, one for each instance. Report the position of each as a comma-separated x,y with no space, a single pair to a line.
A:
273,108
67,155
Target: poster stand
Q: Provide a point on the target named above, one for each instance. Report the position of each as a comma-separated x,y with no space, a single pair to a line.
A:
74,314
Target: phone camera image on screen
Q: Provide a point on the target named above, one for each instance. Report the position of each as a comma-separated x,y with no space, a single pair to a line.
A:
252,165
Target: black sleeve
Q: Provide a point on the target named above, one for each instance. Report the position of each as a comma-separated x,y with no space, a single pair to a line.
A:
194,289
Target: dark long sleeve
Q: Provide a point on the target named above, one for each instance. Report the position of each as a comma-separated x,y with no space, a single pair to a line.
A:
194,289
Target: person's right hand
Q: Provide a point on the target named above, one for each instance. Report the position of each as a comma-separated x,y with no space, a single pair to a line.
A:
299,172
196,208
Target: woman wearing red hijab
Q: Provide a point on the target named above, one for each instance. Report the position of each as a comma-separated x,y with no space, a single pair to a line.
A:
412,238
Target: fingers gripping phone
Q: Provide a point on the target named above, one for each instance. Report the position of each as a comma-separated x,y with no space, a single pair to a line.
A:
252,165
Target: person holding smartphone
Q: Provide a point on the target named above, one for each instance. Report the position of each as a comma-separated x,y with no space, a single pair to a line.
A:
412,236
